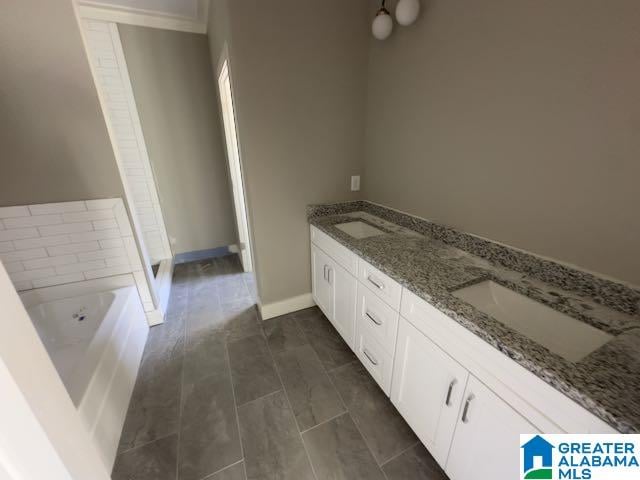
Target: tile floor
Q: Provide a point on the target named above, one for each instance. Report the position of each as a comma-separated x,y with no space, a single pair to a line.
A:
222,395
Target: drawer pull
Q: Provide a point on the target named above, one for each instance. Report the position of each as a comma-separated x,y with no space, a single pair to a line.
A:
378,285
465,412
449,392
370,357
373,318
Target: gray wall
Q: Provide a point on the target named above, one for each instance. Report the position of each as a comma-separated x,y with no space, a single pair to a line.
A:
514,120
54,140
299,86
175,93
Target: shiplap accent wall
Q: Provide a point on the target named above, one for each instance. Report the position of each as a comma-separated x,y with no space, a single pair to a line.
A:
59,243
105,52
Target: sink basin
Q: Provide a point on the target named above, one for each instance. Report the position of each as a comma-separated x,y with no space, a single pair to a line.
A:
559,333
359,229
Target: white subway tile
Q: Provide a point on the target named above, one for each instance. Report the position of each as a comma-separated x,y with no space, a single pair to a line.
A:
22,285
18,234
88,216
62,207
93,235
105,224
117,261
18,255
41,242
50,262
123,220
132,253
66,228
34,221
32,274
98,254
102,204
111,243
12,267
10,212
143,287
6,247
107,272
73,248
57,280
80,267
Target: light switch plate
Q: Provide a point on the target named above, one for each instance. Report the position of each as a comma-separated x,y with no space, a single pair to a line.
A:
355,183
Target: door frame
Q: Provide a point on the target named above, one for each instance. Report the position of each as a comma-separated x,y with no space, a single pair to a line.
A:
234,162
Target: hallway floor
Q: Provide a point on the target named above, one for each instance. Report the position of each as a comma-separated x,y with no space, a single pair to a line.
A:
222,395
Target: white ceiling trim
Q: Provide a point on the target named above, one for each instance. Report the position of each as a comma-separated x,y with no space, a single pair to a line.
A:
145,18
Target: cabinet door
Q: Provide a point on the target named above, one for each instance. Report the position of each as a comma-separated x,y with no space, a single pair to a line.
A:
343,287
427,388
486,443
322,293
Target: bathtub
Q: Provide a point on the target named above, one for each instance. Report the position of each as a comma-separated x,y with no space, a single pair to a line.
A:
95,340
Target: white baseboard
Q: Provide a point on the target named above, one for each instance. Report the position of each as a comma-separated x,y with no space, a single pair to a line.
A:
288,305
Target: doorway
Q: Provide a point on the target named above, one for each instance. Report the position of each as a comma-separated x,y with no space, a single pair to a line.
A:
233,157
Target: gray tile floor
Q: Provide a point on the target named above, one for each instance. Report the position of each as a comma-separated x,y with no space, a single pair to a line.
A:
222,395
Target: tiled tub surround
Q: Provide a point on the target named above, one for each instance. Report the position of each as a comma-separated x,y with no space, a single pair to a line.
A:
59,243
430,260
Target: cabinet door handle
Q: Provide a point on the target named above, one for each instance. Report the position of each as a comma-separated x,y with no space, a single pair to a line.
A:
465,411
329,270
377,284
449,392
370,357
373,318
324,275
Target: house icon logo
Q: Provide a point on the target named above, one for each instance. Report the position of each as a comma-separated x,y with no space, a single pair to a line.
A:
537,460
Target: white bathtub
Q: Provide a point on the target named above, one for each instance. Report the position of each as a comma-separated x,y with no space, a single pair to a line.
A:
95,340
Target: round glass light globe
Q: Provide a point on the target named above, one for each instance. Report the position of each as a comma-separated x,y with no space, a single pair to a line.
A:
407,11
382,26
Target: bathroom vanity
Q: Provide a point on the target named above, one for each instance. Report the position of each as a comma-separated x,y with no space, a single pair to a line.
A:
475,345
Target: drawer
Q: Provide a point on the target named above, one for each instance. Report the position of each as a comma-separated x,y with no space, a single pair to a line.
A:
377,318
388,290
375,359
341,254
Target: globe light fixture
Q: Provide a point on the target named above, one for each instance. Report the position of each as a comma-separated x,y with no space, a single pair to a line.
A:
407,11
382,25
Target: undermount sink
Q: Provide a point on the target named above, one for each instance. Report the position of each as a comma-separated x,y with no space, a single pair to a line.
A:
559,333
359,229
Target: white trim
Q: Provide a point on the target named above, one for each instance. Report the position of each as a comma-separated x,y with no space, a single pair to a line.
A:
143,18
154,317
235,170
288,305
164,279
234,248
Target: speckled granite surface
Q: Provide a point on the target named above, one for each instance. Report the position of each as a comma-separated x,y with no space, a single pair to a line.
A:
432,261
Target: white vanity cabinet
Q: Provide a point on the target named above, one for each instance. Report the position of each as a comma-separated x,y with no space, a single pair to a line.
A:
334,291
428,387
486,443
465,400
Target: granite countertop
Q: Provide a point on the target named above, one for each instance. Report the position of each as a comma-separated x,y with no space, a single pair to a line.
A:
422,259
